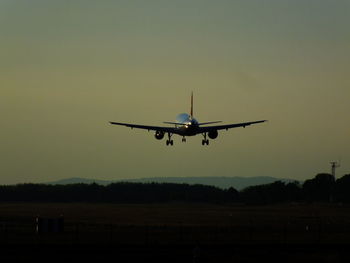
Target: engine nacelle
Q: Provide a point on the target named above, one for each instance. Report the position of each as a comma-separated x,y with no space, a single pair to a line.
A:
213,134
159,135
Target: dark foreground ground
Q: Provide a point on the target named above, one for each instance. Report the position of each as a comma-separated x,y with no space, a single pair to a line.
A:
176,233
177,253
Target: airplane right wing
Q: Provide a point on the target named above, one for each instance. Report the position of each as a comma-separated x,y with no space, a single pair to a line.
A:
146,127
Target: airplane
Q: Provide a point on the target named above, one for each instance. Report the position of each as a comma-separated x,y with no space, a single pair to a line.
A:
187,125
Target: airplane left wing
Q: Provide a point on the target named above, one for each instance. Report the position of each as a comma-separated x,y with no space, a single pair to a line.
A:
146,127
228,126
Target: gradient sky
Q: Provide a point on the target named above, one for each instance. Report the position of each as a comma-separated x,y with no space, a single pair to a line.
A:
69,67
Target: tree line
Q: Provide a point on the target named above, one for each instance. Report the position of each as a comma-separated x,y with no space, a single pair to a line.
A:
322,188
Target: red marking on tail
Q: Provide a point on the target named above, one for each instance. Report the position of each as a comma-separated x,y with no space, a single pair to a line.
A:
192,104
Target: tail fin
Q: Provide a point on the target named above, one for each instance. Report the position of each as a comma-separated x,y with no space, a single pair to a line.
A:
192,105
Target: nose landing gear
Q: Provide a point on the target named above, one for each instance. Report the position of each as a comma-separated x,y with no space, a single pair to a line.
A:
184,139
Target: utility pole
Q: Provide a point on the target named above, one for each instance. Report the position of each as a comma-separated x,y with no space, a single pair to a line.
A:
334,165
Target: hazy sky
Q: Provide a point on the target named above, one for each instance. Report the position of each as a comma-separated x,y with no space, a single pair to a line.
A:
69,67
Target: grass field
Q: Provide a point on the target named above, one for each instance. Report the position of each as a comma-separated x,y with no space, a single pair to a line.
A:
172,213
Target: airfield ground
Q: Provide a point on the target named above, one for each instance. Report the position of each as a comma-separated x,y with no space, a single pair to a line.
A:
179,232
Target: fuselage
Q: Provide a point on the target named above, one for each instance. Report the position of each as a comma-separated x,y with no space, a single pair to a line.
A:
187,125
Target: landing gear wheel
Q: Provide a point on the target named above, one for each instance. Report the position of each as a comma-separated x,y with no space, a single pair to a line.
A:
169,141
183,139
205,142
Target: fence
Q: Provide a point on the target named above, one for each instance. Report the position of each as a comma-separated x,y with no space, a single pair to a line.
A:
295,230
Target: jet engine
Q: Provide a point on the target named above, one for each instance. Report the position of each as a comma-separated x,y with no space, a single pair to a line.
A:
213,134
159,135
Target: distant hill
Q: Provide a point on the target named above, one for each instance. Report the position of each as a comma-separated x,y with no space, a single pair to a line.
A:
79,180
236,182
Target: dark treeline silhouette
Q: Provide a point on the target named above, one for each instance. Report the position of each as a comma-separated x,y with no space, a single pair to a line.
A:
115,192
322,188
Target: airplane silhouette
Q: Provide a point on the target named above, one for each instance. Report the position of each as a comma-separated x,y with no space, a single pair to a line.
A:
187,125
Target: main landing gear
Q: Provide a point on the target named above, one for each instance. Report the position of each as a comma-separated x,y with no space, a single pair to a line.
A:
205,141
169,141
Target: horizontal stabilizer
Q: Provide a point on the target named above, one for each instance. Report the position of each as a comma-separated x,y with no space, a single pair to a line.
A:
176,123
211,122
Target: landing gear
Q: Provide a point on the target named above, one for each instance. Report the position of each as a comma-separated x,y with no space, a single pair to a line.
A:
205,141
184,139
169,141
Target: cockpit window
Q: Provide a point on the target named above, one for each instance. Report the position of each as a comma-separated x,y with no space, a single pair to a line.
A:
183,117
